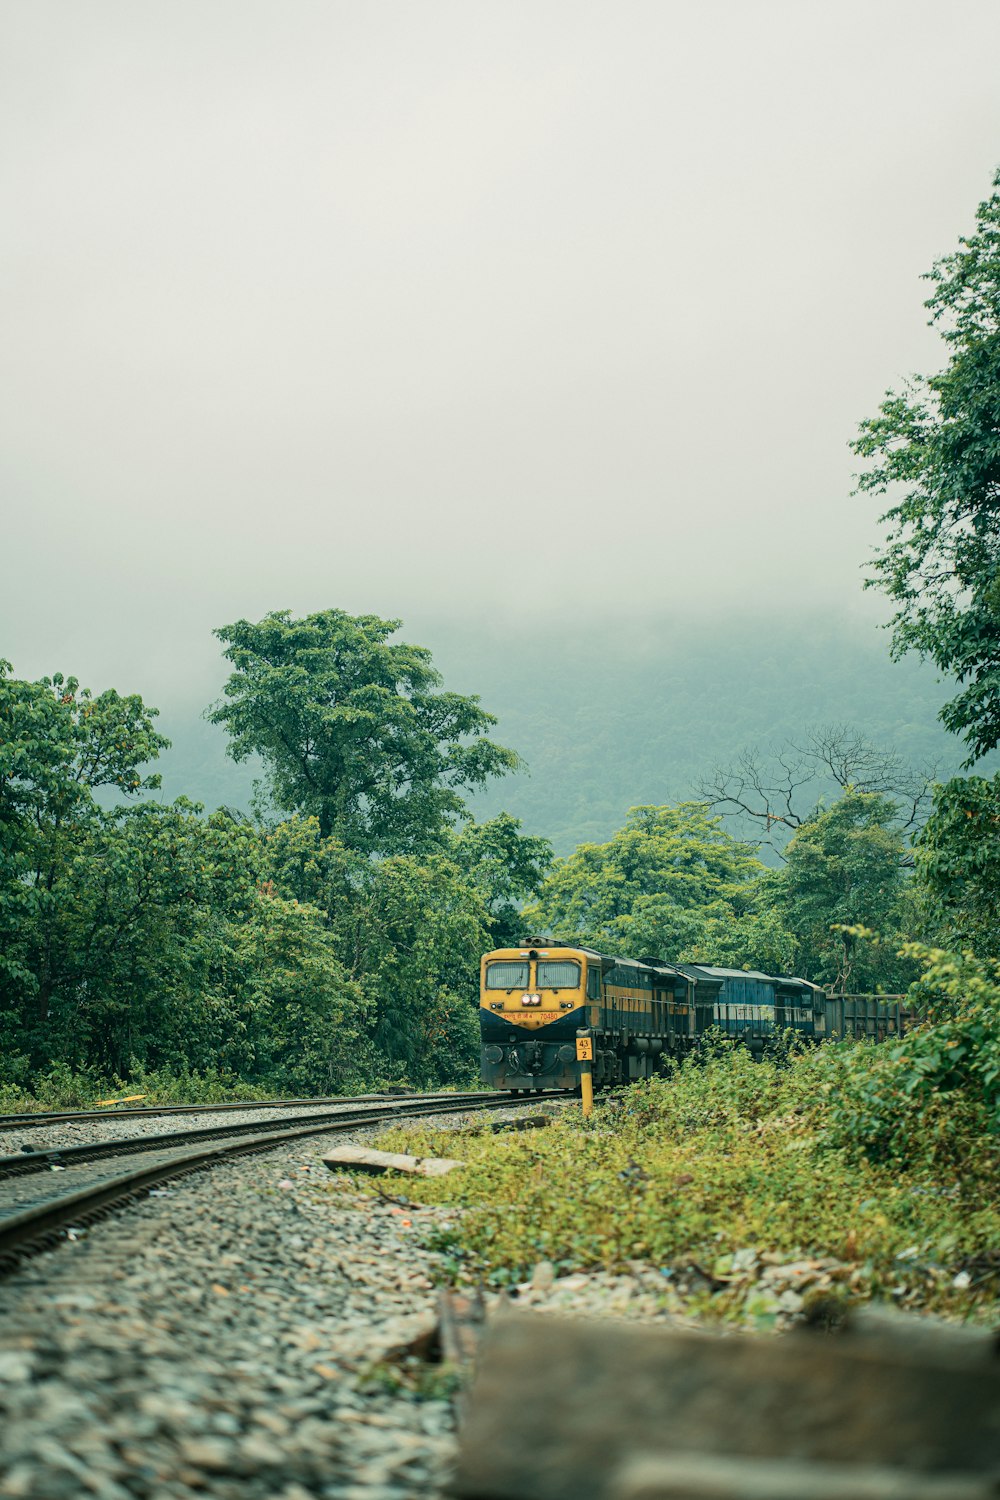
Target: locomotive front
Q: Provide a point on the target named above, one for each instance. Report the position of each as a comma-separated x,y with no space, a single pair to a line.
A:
532,1000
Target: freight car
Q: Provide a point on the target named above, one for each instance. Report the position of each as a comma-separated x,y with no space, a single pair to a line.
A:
535,998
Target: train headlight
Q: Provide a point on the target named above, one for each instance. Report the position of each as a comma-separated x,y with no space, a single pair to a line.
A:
531,999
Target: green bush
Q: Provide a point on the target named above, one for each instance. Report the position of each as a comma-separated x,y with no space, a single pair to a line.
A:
932,1097
725,1154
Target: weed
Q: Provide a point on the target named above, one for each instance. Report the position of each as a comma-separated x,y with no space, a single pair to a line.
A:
722,1155
413,1377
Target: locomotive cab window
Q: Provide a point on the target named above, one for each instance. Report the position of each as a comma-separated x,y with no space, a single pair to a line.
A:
593,982
558,974
507,976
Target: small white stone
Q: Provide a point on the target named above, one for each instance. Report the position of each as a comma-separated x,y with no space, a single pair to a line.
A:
543,1276
15,1365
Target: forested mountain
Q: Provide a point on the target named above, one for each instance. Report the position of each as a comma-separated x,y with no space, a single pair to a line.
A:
607,718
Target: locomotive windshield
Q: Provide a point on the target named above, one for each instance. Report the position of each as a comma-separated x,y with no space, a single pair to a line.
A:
512,975
558,974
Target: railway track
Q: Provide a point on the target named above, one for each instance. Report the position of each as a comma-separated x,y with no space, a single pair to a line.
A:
41,1118
27,1227
41,1159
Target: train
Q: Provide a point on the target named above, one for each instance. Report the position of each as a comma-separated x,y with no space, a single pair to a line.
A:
536,997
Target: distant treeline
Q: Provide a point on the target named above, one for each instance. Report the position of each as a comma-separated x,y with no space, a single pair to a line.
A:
607,717
330,940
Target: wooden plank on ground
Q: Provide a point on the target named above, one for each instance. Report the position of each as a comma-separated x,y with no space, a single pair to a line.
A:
560,1406
362,1159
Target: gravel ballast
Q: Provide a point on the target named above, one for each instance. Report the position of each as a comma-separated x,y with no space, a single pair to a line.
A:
44,1137
229,1336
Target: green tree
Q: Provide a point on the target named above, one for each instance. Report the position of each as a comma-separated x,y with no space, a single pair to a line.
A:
355,729
59,745
506,867
408,932
936,444
845,869
662,886
958,863
757,938
285,1012
121,927
119,946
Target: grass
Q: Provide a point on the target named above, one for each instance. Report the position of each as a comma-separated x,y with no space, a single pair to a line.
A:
725,1155
65,1088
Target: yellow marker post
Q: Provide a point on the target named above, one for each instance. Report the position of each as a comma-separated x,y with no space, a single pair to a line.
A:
585,1057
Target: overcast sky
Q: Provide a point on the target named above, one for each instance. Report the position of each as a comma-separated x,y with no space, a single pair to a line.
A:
430,308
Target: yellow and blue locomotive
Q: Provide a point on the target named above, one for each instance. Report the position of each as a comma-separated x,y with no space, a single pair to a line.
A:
535,998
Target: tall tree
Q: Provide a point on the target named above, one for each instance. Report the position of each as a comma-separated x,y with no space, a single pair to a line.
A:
958,862
936,444
354,728
844,869
408,931
664,885
506,867
59,745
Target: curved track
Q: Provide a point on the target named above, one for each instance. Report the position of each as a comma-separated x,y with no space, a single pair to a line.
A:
42,1118
28,1227
27,1161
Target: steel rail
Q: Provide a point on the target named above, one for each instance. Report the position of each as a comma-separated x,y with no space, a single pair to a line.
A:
25,1163
145,1111
34,1229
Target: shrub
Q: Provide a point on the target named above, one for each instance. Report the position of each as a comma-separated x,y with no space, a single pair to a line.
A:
724,1154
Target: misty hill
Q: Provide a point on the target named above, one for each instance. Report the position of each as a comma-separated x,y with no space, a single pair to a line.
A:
607,718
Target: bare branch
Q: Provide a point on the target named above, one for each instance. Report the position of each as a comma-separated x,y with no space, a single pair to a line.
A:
765,793
780,790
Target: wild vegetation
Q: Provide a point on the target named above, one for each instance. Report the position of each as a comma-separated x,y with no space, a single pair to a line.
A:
726,1158
329,943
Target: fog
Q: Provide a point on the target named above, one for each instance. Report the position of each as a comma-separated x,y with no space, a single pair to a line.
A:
458,311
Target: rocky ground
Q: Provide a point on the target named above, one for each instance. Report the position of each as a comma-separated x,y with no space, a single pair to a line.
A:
237,1335
754,1290
231,1336
42,1137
